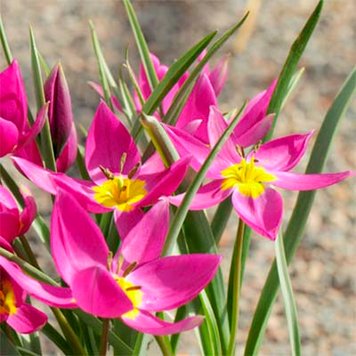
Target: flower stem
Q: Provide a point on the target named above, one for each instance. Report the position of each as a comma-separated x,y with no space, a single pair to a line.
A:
69,332
164,345
235,282
29,252
104,337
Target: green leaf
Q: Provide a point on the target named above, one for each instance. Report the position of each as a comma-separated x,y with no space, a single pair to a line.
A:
290,66
6,347
296,225
141,45
184,91
174,73
5,43
96,325
288,297
183,209
101,65
220,219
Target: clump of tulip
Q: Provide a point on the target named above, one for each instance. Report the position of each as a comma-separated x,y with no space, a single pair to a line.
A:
135,255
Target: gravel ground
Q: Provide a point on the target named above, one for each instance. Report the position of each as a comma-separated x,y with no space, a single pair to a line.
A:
321,273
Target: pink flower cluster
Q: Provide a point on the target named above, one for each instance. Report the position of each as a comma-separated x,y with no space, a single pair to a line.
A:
134,281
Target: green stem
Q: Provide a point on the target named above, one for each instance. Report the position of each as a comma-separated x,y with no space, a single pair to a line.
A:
68,332
104,337
5,44
164,345
29,252
235,273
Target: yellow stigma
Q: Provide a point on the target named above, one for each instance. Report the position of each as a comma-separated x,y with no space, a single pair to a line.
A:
134,293
120,193
248,178
7,298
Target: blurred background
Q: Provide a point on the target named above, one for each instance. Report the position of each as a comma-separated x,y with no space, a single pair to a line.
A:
323,272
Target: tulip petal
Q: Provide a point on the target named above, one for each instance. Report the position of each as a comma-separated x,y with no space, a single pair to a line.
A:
27,319
69,152
97,293
250,128
7,200
145,240
149,324
188,145
28,214
170,282
9,225
207,196
9,136
51,295
13,102
125,221
284,153
164,183
262,214
76,241
295,181
108,139
197,107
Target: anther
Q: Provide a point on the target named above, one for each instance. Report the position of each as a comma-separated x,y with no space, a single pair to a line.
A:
240,151
122,161
133,288
109,261
129,269
134,170
107,173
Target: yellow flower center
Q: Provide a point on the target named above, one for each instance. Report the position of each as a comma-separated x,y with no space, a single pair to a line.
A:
248,178
134,293
120,193
7,298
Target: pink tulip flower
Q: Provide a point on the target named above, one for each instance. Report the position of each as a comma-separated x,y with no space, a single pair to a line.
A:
14,287
63,133
14,223
119,182
249,178
16,136
136,282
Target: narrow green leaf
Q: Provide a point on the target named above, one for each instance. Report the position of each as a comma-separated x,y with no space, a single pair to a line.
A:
141,45
6,347
101,66
288,297
184,91
292,84
96,325
290,65
220,219
55,337
296,225
174,73
5,44
183,209
46,139
44,65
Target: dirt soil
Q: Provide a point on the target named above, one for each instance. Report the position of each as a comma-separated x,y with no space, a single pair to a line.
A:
323,271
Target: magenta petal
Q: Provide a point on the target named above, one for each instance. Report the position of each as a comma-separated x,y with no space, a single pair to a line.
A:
188,145
13,102
218,75
125,221
36,128
216,127
197,106
255,133
164,183
295,181
170,282
9,136
97,293
51,295
108,139
149,324
282,154
28,214
145,240
6,199
69,152
207,196
9,225
76,241
262,214
27,319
